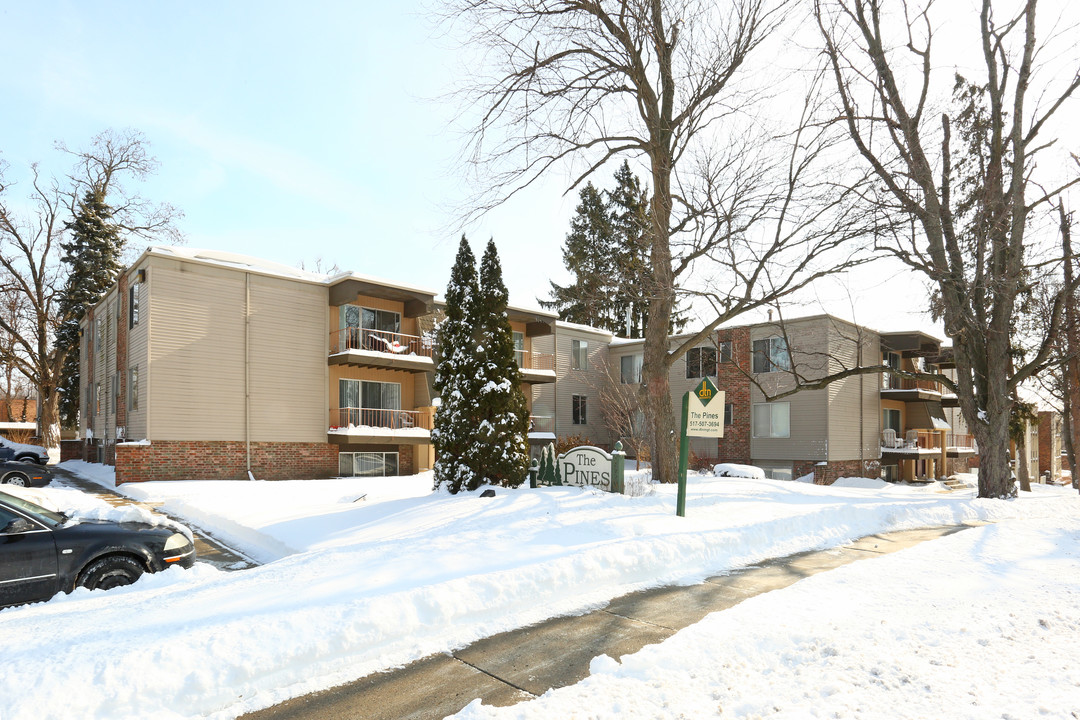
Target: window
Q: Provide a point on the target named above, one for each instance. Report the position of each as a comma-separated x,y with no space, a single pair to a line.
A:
771,355
729,413
580,416
133,305
371,329
890,420
133,388
776,470
630,369
116,398
367,464
579,355
772,420
519,348
890,473
368,403
725,351
700,362
100,341
888,381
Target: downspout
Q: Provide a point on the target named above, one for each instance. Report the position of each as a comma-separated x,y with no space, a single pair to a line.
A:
862,406
247,372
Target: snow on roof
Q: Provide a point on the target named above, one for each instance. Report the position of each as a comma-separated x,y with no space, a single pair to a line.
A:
583,328
350,275
236,261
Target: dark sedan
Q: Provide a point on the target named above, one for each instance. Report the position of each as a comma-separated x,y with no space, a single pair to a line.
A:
24,474
44,552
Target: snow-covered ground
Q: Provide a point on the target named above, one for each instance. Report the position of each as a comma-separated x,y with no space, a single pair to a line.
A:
368,574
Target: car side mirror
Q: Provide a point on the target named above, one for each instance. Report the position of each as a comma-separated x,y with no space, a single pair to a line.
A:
18,525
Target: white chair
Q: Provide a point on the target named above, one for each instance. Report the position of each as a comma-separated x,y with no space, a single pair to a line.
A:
889,439
911,440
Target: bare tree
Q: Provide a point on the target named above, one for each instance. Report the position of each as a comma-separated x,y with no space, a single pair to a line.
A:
973,201
620,407
30,268
582,82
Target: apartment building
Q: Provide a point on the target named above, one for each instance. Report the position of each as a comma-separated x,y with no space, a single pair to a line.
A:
869,424
202,364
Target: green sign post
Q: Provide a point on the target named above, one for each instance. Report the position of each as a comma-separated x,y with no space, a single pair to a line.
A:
698,420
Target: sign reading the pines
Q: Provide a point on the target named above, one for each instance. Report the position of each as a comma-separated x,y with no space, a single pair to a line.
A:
705,414
586,465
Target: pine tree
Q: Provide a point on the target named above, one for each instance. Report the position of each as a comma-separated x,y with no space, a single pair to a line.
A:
500,453
456,373
587,254
607,251
93,256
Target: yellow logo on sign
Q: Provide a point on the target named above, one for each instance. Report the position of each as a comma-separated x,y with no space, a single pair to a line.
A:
704,391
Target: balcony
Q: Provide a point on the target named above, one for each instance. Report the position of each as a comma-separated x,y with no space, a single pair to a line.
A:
961,444
379,348
913,442
372,425
901,388
541,428
536,367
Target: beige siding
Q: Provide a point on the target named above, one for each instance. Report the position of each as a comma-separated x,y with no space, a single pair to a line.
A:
138,348
809,416
580,382
854,411
288,336
196,389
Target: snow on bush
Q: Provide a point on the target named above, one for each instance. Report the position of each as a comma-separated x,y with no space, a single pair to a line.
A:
738,471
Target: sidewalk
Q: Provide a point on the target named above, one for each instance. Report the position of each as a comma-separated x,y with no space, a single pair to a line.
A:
521,664
207,549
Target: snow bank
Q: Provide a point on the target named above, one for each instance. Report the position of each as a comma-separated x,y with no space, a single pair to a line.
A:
881,638
362,585
738,471
861,482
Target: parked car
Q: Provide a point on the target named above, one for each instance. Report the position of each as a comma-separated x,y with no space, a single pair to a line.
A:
11,450
23,474
43,552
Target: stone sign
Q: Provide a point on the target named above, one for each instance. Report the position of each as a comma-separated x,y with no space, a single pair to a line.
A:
586,465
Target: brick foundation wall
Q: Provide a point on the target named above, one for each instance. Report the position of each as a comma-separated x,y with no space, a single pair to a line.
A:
72,450
224,460
828,474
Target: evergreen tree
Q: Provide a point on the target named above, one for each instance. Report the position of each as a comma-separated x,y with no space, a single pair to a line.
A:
607,251
500,452
629,209
587,254
456,373
92,255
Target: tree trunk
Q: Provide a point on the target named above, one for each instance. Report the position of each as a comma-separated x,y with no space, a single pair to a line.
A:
1023,461
995,479
48,418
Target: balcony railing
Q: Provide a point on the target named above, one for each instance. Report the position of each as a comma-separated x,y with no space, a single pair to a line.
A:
891,382
913,440
960,441
541,423
534,360
376,418
379,341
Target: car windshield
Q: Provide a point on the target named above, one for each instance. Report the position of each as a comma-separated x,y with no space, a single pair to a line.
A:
45,517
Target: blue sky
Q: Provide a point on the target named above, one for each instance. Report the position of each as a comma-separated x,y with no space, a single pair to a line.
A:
295,132
284,131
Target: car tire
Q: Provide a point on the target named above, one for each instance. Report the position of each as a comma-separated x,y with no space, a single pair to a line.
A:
18,479
110,572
